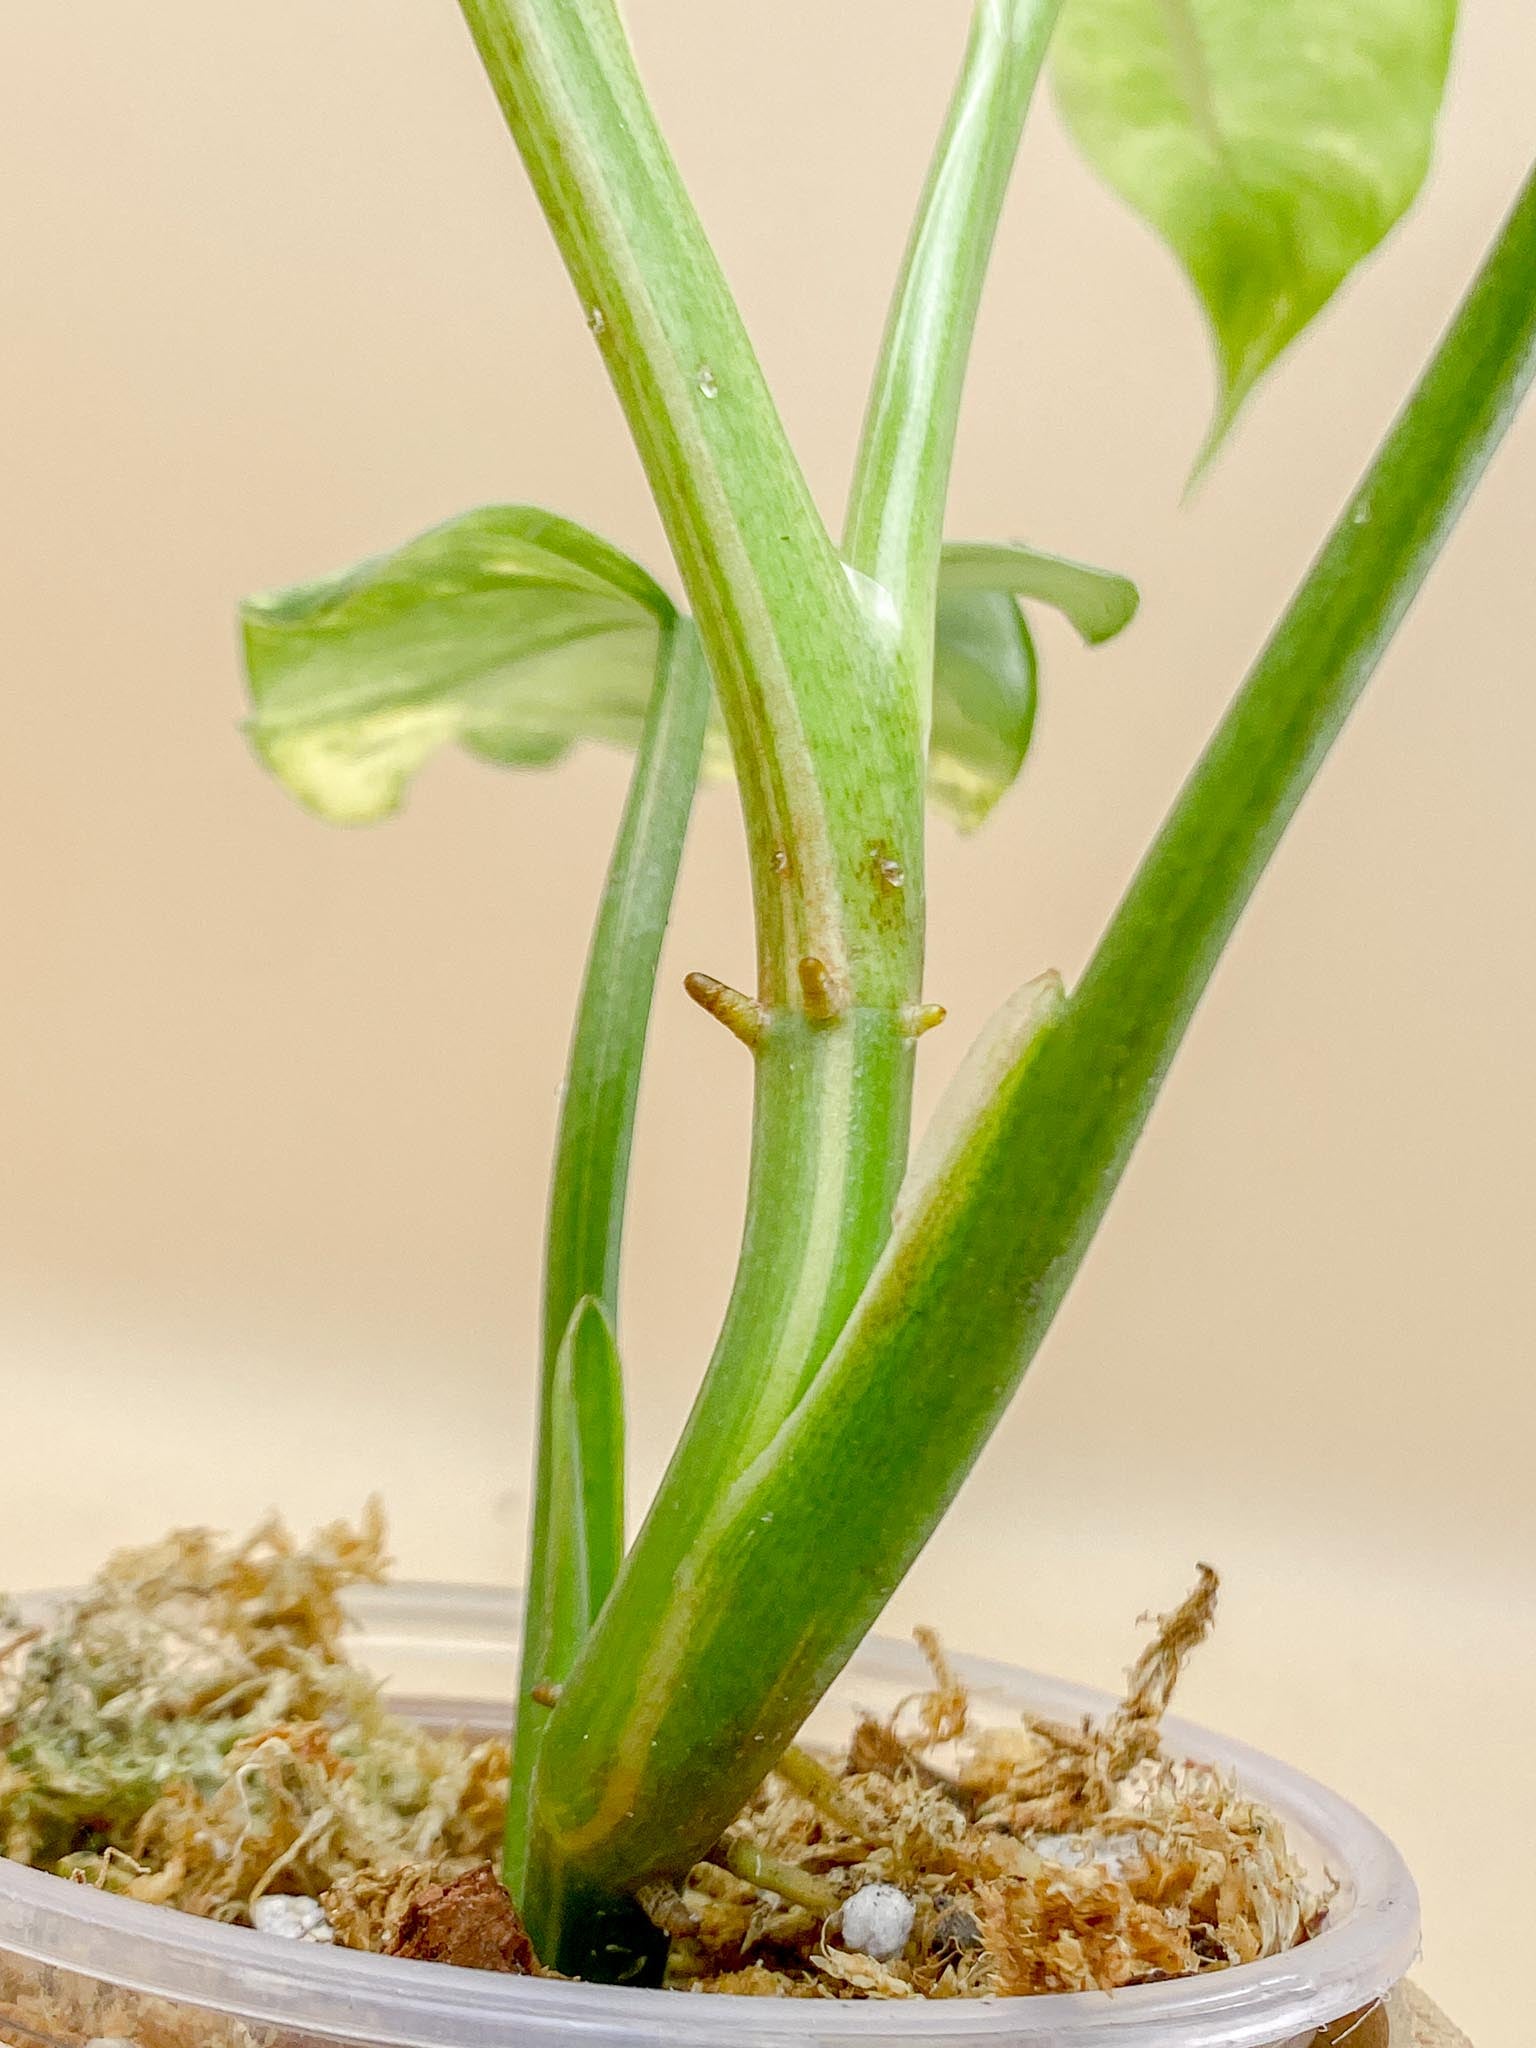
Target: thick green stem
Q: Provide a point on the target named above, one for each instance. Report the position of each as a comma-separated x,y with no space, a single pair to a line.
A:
824,1164
587,1197
824,727
833,1089
663,1735
827,729
825,724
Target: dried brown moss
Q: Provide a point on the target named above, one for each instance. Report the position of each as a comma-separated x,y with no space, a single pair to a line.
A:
192,1734
1040,1857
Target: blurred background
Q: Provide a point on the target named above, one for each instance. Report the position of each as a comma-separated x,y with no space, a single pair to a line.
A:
276,1100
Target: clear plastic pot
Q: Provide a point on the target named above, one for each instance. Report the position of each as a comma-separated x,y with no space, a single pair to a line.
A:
78,1966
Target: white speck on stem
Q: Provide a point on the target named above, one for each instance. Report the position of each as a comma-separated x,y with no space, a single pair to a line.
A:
596,319
706,381
877,1921
1361,516
877,601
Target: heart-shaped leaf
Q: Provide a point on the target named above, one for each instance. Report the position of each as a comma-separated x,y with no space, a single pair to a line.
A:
516,634
1271,143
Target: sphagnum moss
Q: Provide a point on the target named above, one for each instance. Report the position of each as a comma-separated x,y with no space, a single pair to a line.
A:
191,1733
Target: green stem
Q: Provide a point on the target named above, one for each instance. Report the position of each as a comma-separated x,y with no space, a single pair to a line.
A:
832,1104
827,730
793,1566
754,1866
895,519
587,1197
824,729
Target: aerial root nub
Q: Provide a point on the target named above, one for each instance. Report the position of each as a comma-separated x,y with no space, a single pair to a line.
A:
917,1018
743,1017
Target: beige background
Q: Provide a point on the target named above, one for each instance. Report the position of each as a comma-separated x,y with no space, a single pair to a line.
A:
275,1102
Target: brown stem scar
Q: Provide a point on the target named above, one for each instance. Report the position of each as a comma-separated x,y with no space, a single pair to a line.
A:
825,998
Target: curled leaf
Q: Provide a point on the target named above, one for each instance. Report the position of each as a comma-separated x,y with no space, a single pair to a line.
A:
1098,602
984,696
986,672
509,630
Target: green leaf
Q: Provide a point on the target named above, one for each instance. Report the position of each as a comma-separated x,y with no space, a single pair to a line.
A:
517,635
984,696
1271,143
509,630
985,669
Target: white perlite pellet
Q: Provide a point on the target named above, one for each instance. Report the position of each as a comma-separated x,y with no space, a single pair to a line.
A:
877,1921
295,1919
1112,1853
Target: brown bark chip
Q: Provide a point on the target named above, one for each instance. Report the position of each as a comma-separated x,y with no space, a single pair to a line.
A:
470,1921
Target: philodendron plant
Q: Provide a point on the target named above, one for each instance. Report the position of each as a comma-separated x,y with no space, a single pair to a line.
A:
886,1306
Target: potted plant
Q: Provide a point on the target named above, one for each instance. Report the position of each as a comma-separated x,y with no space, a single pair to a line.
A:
885,1308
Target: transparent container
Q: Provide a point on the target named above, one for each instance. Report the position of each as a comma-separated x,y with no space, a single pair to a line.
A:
78,1966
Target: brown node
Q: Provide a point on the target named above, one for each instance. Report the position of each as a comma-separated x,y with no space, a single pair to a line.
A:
741,1015
824,995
